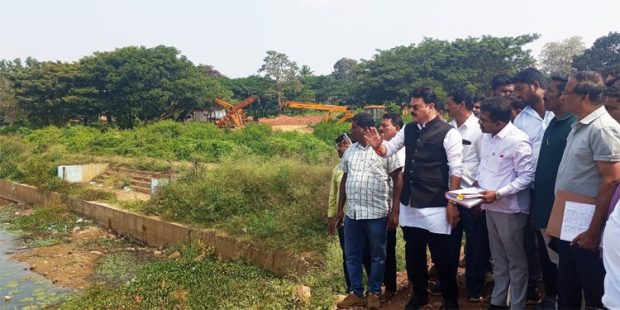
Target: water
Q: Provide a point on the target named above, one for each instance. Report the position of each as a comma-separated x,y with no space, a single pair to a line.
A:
21,288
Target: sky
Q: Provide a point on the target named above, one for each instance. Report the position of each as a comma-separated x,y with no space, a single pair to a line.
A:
234,35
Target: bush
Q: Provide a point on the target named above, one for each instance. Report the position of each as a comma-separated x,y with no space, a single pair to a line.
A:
329,131
275,200
170,140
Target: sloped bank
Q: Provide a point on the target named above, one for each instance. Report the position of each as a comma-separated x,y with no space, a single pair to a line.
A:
156,232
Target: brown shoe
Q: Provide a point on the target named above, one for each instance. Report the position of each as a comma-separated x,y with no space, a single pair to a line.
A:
352,300
385,296
373,302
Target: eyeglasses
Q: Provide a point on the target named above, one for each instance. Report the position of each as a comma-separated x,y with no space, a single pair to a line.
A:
415,107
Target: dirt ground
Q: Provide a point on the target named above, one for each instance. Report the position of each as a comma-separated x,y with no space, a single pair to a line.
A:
68,264
400,300
293,123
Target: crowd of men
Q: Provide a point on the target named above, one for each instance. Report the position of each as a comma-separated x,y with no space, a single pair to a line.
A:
534,137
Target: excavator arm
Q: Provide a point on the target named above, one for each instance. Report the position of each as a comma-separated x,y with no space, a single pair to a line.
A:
321,107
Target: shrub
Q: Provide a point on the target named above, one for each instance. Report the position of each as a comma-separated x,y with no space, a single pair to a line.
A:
329,131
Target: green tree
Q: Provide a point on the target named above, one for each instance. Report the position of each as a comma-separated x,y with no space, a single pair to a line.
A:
344,69
470,63
282,72
146,84
242,88
46,91
9,111
604,53
556,57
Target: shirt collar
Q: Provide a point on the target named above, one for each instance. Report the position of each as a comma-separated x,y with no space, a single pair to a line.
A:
504,132
593,115
359,145
564,117
532,113
472,121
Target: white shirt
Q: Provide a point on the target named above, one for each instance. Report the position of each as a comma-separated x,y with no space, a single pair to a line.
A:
534,126
434,220
470,133
611,260
506,166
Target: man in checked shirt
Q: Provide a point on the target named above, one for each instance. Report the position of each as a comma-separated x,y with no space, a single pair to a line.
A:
371,208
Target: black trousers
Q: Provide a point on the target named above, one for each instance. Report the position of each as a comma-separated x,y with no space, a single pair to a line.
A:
477,252
579,270
389,278
365,260
549,269
416,242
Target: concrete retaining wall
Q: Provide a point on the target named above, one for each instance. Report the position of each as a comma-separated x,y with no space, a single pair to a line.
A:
156,232
81,173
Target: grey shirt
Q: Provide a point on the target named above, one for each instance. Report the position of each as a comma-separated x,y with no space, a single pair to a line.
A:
594,138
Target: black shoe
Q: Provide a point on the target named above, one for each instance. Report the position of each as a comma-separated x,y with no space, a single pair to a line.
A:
534,296
416,302
450,304
492,306
434,288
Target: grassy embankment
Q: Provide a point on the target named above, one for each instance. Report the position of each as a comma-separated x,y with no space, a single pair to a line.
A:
268,186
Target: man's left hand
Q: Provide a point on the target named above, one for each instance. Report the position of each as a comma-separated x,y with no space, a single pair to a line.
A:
587,241
392,220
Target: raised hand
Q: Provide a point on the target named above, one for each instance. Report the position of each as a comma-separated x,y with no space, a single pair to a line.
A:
373,138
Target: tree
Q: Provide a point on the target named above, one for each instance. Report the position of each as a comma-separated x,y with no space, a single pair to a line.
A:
282,72
46,91
344,69
556,57
604,53
9,111
469,63
254,85
305,72
147,84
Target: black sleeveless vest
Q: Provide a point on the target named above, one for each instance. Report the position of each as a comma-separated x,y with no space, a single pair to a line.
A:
426,171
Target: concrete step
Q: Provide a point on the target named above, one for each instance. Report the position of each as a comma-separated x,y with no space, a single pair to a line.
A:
141,189
140,183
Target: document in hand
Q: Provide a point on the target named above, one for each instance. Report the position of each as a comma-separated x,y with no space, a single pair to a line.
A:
466,197
567,225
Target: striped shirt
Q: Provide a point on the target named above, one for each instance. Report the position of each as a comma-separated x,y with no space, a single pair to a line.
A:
368,186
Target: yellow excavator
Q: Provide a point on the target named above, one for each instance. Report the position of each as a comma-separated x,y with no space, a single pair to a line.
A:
235,116
376,110
346,114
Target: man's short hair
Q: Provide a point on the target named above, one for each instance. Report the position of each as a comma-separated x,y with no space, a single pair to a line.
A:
518,104
426,93
342,138
478,98
529,76
498,108
499,80
363,120
460,95
395,118
590,83
561,83
613,91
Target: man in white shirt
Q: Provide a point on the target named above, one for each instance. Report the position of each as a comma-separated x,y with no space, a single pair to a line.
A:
506,170
391,124
433,166
460,105
533,120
